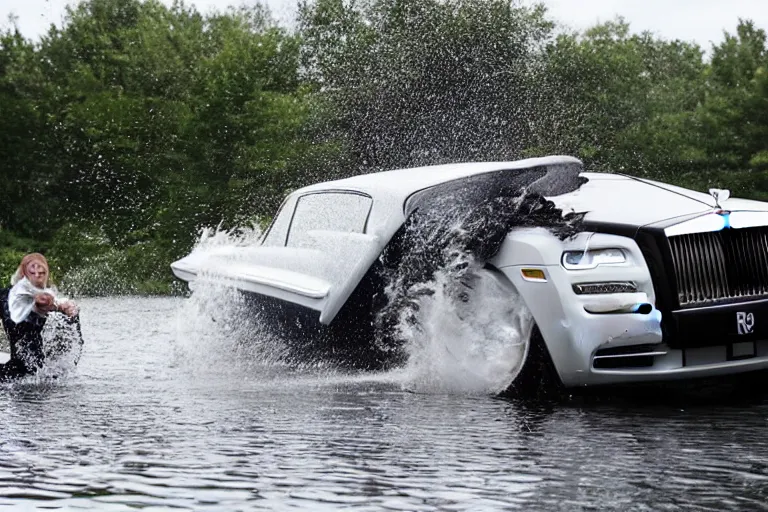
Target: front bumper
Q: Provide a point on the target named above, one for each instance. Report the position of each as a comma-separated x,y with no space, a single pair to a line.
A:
681,364
621,348
711,341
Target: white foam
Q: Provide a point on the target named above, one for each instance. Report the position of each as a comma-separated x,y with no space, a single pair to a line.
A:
211,238
454,346
215,327
471,346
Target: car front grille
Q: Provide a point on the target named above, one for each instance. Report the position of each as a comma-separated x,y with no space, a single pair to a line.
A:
724,265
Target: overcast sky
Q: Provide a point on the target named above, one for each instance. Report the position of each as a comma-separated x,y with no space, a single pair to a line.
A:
702,21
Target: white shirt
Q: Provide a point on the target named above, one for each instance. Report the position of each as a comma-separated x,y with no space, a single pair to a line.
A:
21,300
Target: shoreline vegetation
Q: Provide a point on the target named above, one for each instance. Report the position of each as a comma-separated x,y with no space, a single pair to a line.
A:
132,126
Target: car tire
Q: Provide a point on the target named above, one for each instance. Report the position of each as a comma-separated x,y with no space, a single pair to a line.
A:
538,378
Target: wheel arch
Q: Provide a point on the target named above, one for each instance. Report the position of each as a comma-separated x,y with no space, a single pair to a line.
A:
538,377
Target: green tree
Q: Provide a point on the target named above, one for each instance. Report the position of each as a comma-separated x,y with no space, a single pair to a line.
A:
732,120
27,174
412,83
171,120
134,124
627,99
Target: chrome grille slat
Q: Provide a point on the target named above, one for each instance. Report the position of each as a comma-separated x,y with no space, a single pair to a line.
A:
706,244
720,265
683,286
763,248
680,273
711,266
750,248
693,268
758,248
733,255
723,265
709,250
740,250
699,269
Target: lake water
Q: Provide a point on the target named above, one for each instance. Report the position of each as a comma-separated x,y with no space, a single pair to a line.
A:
167,410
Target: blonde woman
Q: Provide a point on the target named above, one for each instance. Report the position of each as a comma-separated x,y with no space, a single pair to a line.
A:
32,292
24,311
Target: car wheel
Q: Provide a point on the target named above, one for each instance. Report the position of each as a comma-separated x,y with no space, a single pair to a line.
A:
514,346
538,378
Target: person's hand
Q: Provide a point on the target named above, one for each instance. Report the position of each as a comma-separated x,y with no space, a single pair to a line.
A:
69,308
45,302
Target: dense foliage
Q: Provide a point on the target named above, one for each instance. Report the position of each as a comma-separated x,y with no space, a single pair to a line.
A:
133,125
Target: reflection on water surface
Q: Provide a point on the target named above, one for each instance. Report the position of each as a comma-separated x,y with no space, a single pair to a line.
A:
156,416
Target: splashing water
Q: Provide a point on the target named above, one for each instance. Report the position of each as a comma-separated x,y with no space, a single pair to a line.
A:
217,327
465,346
217,237
218,318
473,343
64,344
450,325
464,327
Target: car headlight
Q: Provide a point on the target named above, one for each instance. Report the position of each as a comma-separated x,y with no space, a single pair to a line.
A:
581,260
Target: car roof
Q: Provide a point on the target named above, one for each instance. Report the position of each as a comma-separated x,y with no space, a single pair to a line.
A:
399,184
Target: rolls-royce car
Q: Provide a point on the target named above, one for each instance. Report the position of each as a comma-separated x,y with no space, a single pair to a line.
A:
627,280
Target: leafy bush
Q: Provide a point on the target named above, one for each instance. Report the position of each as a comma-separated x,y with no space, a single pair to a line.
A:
140,269
12,249
759,161
84,262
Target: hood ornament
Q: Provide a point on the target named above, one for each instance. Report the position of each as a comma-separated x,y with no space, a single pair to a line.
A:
720,194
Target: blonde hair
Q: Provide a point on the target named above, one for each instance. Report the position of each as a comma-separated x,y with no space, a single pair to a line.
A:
26,260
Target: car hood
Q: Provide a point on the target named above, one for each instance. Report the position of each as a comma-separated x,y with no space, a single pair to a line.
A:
619,199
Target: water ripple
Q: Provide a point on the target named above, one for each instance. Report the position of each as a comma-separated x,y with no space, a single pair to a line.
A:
138,425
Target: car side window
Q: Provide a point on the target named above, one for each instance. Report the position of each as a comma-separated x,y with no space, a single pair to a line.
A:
334,211
279,228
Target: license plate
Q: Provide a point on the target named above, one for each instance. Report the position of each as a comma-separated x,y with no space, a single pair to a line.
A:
741,350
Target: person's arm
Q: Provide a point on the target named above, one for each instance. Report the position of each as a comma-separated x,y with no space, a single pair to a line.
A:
21,301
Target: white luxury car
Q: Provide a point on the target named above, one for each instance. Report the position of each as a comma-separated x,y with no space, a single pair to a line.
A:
627,280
